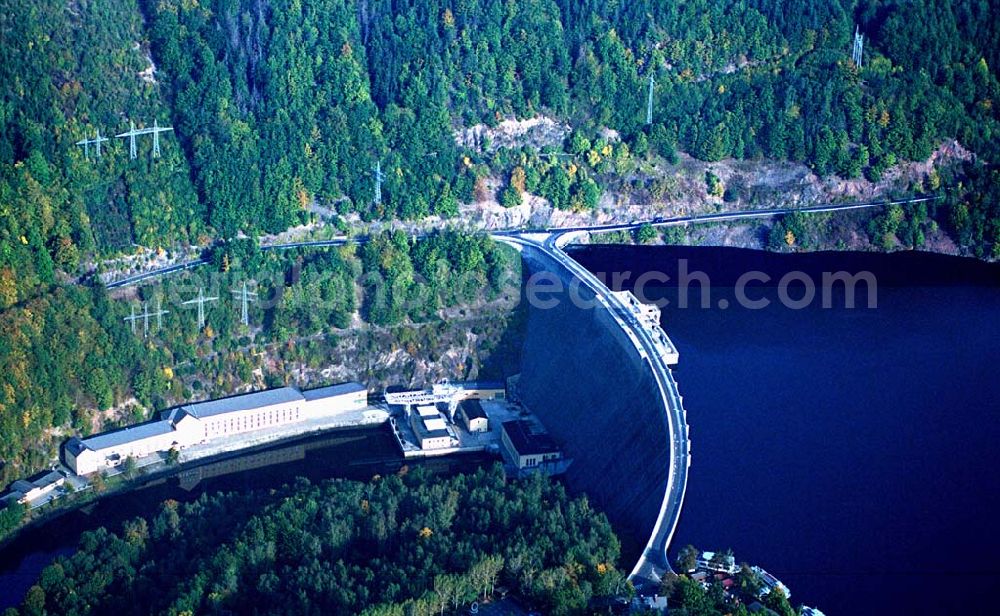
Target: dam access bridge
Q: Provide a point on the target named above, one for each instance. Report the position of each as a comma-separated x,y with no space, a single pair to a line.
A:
657,353
652,345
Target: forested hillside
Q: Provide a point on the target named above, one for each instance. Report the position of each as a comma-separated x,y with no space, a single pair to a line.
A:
397,545
66,71
67,357
278,104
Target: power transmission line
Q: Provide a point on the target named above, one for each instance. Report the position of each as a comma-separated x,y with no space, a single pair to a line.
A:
156,136
859,47
245,297
134,132
649,101
96,142
133,317
378,182
200,301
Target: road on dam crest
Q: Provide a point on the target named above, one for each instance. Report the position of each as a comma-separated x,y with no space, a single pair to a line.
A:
653,563
547,245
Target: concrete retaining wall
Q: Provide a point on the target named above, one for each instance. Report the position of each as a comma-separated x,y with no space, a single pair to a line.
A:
583,377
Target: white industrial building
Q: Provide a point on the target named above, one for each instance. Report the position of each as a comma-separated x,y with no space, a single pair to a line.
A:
483,390
85,456
430,428
770,582
447,394
717,562
474,416
199,422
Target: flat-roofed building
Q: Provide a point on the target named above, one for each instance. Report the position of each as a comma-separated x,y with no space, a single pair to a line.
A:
483,390
430,428
769,582
717,562
474,416
428,410
527,448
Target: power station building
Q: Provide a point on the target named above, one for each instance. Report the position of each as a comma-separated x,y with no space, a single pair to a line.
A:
200,422
473,416
430,428
528,449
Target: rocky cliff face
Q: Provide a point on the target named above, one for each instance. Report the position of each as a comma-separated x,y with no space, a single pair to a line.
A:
581,376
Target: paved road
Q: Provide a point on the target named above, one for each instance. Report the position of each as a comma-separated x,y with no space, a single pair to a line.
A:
653,563
130,280
124,282
656,222
716,217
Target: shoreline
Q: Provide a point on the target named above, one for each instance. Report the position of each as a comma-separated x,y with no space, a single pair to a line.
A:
163,470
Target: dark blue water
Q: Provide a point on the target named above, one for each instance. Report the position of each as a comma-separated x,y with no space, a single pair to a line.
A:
852,453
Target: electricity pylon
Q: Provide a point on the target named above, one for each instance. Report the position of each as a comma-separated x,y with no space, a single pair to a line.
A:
96,142
145,317
649,101
200,300
859,47
134,132
245,297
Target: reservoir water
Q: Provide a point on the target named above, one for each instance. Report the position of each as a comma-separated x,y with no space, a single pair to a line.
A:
851,452
356,453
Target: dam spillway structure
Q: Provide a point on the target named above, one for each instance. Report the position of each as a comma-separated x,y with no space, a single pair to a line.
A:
595,368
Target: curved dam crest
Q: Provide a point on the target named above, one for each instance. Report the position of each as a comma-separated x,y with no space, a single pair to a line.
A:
582,376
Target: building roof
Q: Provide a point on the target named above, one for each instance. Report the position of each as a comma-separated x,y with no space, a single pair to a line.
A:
431,428
243,402
427,410
333,390
526,441
22,486
481,385
44,478
769,581
120,437
75,445
435,424
473,409
174,415
10,498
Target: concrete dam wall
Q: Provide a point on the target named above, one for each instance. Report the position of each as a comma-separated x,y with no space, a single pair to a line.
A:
582,376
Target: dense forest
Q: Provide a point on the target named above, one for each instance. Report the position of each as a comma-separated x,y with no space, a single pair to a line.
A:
406,544
278,105
68,356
